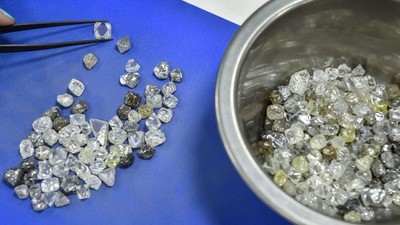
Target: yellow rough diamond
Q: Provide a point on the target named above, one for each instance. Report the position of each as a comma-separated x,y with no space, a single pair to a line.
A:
112,159
349,134
364,163
280,178
145,111
381,106
300,164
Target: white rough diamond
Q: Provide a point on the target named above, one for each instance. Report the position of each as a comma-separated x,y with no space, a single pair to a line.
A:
50,198
154,138
153,123
299,82
22,191
115,122
151,90
154,101
50,136
165,114
93,181
85,128
129,79
65,100
50,185
161,70
136,139
102,30
26,148
170,101
61,200
132,66
117,136
83,191
168,88
58,156
42,124
60,170
107,176
176,75
90,60
124,44
76,87
97,166
134,116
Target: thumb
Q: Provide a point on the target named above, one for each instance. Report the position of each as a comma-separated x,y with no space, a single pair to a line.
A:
6,19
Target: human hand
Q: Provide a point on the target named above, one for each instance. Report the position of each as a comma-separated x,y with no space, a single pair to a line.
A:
6,19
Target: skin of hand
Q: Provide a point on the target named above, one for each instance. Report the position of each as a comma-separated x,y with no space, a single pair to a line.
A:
6,19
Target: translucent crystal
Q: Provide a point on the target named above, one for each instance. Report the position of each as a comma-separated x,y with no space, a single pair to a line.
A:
161,70
358,71
136,139
26,149
153,123
35,191
170,101
68,132
82,170
343,70
50,184
176,75
90,60
100,154
165,114
396,198
284,91
124,44
69,183
100,130
86,156
83,191
123,111
71,162
352,217
348,134
319,76
132,99
130,126
355,185
77,119
44,170
154,137
145,111
300,164
373,196
290,188
85,128
39,203
22,191
58,156
387,159
168,88
97,166
293,175
154,101
60,170
294,135
280,178
151,90
275,112
332,72
271,165
394,114
102,30
132,66
337,141
115,122
50,136
337,169
112,158
299,82
117,136
76,87
42,124
129,79
93,181
318,142
393,91
134,116
107,176
61,200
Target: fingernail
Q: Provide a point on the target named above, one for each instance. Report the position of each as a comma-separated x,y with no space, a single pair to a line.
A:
6,14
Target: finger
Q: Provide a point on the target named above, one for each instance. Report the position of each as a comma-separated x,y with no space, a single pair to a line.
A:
6,19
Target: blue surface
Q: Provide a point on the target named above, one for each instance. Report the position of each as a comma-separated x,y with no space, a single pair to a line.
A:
190,180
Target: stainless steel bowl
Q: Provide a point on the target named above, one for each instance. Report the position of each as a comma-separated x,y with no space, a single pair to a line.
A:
285,36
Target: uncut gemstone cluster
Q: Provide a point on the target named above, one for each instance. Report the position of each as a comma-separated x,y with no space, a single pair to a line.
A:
331,141
64,156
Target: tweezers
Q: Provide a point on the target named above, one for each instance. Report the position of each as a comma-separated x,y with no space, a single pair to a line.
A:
35,47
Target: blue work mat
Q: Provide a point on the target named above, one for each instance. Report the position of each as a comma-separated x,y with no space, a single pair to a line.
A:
190,180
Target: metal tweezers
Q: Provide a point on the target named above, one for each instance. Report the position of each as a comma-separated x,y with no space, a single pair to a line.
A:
34,47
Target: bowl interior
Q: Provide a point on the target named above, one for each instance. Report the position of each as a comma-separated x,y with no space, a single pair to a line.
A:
315,34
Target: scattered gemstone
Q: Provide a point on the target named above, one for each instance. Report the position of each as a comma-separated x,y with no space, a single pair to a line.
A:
132,99
132,66
165,114
27,164
124,44
170,101
154,101
22,191
53,112
102,30
59,123
76,87
13,176
123,111
90,60
151,90
39,203
136,139
50,136
79,108
130,79
108,176
168,88
83,191
69,183
126,161
50,185
153,123
61,200
146,152
154,138
65,100
176,75
145,111
117,136
93,181
161,70
133,116
26,148
42,124
116,122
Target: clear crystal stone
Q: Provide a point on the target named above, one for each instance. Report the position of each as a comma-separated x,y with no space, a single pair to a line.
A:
154,101
50,136
90,60
122,149
165,114
129,79
50,198
83,191
85,128
42,124
284,91
136,139
153,123
319,76
76,87
26,148
170,101
86,156
154,137
130,126
50,185
58,156
97,166
35,191
100,130
71,162
100,154
294,135
65,100
373,196
117,136
134,116
176,75
44,170
107,176
82,170
132,66
124,44
115,122
68,183
151,90
275,112
61,200
39,203
337,169
299,82
161,70
60,170
168,88
102,30
318,142
22,191
77,119
93,181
